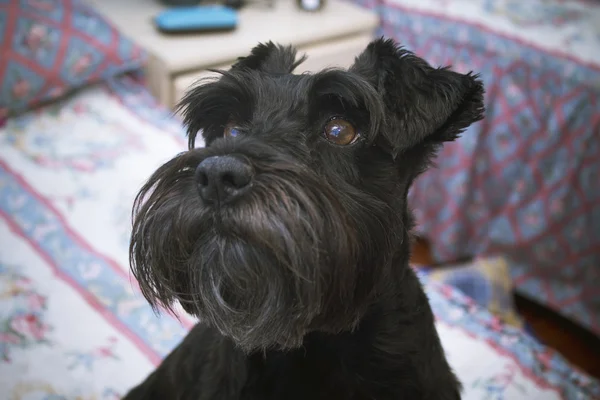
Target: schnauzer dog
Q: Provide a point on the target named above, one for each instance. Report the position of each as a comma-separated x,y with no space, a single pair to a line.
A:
288,234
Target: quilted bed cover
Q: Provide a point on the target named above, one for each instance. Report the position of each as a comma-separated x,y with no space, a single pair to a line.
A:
73,324
523,184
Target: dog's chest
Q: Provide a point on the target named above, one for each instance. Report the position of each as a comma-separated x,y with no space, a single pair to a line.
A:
302,375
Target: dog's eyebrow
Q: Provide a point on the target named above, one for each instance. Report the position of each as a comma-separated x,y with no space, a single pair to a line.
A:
352,90
237,85
215,100
339,84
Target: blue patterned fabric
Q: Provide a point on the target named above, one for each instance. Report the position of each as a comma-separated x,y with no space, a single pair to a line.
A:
49,47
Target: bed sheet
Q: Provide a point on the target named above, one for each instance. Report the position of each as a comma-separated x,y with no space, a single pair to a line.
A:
73,324
523,184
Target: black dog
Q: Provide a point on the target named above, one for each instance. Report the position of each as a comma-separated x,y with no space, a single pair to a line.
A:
288,235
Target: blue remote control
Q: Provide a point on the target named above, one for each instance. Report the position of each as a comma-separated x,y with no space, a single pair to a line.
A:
196,19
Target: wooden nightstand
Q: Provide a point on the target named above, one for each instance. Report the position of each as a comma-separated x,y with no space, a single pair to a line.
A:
331,37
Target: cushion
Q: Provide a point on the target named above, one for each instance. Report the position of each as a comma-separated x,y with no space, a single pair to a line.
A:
50,47
486,280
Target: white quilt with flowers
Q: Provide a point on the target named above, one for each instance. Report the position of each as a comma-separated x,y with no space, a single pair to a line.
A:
72,322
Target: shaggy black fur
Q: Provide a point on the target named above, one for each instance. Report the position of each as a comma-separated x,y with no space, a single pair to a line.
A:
292,246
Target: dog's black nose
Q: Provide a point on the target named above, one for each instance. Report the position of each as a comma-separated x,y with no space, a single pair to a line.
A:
223,178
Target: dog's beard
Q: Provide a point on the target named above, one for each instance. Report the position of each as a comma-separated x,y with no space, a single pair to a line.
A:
265,271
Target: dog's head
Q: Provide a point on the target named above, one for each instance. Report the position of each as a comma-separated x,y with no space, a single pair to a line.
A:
287,221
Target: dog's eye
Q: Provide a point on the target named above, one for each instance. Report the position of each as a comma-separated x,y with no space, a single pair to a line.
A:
231,130
340,131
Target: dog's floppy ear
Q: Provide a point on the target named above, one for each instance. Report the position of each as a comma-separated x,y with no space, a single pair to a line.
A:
270,58
424,104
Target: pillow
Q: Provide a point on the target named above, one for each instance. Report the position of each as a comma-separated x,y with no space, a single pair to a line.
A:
486,280
50,47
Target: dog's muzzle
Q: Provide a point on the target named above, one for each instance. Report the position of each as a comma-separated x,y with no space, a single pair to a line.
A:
278,261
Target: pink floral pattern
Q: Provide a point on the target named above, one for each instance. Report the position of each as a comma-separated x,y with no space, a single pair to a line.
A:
495,386
86,359
22,314
29,327
82,150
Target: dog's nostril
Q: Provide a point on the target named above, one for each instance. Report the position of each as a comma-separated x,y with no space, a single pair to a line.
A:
229,180
202,178
239,179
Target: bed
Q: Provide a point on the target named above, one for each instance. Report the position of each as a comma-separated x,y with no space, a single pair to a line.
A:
525,183
73,324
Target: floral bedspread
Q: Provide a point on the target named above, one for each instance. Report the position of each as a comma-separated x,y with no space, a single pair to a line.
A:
72,322
525,182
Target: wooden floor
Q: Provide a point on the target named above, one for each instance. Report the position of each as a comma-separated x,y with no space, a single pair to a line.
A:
576,344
